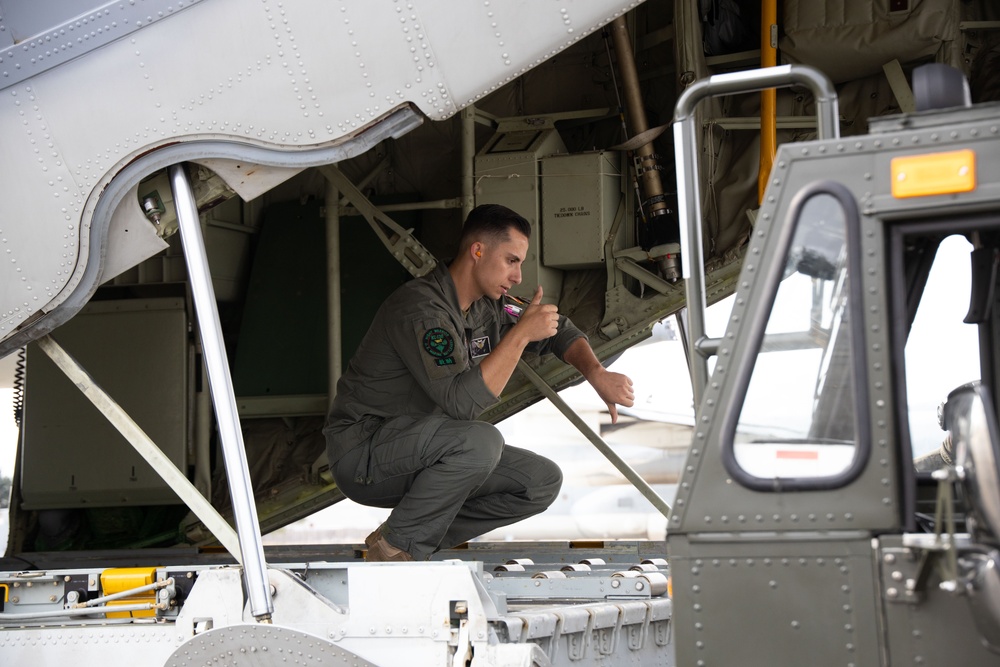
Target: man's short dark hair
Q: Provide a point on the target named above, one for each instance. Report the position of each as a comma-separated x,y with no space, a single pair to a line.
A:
492,222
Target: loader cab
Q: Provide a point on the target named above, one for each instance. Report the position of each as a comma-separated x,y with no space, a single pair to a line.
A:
799,491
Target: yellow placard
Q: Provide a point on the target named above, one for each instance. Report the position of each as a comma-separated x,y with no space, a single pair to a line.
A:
934,174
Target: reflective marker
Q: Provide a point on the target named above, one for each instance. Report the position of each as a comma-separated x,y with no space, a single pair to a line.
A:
934,174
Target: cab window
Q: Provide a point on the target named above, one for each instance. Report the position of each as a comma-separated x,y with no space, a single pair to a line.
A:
798,419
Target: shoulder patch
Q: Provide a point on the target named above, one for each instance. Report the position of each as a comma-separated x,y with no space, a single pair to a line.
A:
440,344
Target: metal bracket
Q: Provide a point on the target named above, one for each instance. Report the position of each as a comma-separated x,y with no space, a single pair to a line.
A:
907,571
400,242
900,88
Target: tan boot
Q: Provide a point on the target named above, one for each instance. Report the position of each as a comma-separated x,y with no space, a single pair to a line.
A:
379,549
374,537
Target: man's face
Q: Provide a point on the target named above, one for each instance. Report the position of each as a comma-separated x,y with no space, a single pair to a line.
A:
499,267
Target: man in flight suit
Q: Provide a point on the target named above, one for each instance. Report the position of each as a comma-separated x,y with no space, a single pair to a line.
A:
402,430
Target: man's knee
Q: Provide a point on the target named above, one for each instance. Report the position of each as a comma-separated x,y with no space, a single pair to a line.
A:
549,480
486,443
474,444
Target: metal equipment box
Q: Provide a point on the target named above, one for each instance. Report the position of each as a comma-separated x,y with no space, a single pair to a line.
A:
581,194
507,173
137,350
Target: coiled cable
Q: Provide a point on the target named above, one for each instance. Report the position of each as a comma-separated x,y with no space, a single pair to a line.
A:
19,386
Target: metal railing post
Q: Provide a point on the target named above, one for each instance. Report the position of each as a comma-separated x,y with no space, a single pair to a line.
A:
223,397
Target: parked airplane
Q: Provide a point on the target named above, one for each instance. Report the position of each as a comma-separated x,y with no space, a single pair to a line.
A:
204,201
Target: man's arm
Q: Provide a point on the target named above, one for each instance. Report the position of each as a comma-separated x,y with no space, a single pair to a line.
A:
538,322
614,388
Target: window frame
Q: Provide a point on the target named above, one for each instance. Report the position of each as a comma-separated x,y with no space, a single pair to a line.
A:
758,323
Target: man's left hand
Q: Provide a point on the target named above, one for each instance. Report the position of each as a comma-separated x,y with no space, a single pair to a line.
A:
614,389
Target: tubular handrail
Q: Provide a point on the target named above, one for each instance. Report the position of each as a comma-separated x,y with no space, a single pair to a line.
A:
688,191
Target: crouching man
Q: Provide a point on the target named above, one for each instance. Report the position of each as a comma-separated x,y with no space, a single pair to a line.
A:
402,431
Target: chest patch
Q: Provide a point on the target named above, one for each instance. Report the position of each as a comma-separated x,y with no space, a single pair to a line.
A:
480,347
440,344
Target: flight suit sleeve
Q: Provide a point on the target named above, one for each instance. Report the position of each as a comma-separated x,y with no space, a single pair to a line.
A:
560,342
438,358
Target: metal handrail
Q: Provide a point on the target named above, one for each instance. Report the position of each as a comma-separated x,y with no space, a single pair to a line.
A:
688,191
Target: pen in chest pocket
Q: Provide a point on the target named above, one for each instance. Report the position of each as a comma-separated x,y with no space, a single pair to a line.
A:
514,306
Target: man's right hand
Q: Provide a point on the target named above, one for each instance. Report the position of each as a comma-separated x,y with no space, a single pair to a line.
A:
539,320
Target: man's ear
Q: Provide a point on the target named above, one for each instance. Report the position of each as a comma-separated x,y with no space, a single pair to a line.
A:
476,249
